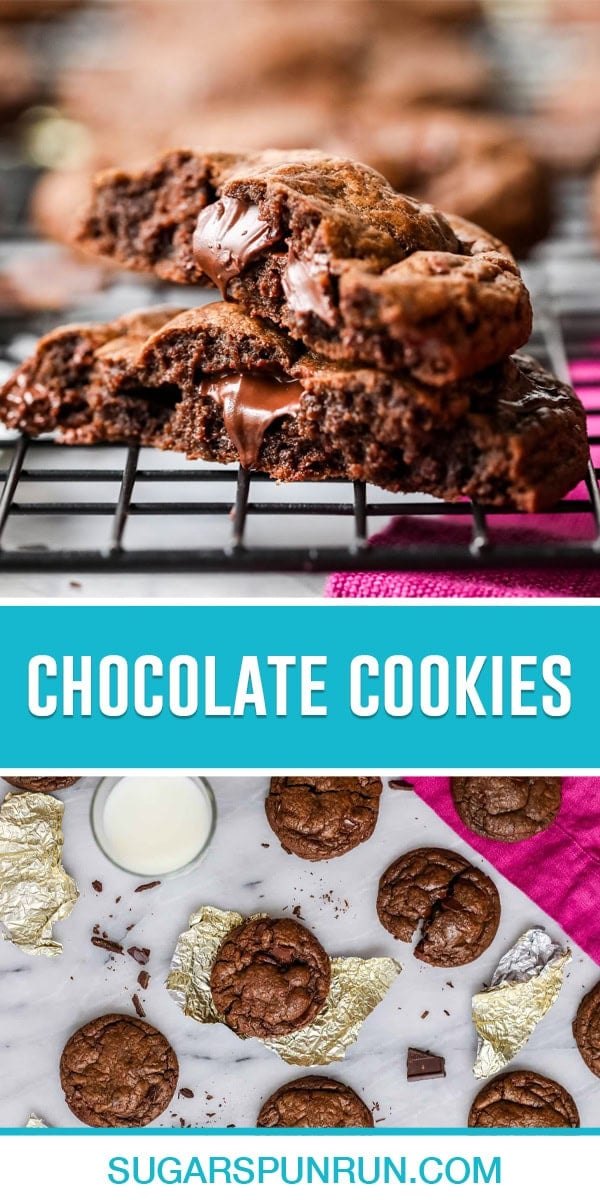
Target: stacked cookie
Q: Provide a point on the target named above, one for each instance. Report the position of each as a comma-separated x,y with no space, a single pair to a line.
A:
361,334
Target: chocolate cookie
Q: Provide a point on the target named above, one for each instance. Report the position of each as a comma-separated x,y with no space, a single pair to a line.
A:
314,1102
467,163
586,1029
118,1071
523,1100
320,817
458,905
41,783
506,808
217,384
325,247
270,978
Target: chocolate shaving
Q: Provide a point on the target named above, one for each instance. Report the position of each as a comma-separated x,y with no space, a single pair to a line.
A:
137,1004
422,1064
145,887
105,943
143,980
141,954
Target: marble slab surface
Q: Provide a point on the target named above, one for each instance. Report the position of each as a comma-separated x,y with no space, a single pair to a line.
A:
43,1000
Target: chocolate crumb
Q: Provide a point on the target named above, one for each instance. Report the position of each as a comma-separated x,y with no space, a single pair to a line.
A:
97,886
186,1092
105,943
424,1014
297,911
145,887
143,980
141,954
137,1004
265,845
400,785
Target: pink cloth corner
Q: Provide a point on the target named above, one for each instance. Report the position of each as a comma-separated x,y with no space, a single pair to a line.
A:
559,869
567,581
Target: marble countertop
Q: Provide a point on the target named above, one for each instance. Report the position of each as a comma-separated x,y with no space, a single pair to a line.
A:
43,1000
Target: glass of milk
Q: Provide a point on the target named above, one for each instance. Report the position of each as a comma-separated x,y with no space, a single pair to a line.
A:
153,826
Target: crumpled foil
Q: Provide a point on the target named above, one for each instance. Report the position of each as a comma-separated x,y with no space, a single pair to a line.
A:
35,1122
357,987
523,988
35,890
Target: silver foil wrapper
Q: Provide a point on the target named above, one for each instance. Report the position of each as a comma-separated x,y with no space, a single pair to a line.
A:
35,890
357,987
523,988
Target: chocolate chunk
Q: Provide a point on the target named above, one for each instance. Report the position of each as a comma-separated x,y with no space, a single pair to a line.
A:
186,1092
523,1100
118,1071
141,954
401,284
320,817
506,808
270,977
97,886
143,980
105,943
455,905
159,385
422,1064
137,1004
229,235
250,404
314,1102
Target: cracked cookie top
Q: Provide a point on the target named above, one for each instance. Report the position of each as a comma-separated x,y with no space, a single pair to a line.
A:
523,1100
322,817
453,904
270,978
314,1102
506,808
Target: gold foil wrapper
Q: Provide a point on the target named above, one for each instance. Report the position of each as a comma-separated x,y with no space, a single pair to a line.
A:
358,985
523,988
35,890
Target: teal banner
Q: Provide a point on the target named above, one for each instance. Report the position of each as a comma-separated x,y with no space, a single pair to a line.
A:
326,687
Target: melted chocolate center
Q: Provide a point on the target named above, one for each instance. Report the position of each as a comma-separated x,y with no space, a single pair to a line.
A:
304,289
250,404
229,234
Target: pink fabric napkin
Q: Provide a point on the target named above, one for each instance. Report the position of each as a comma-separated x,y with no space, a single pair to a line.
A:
559,869
565,581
